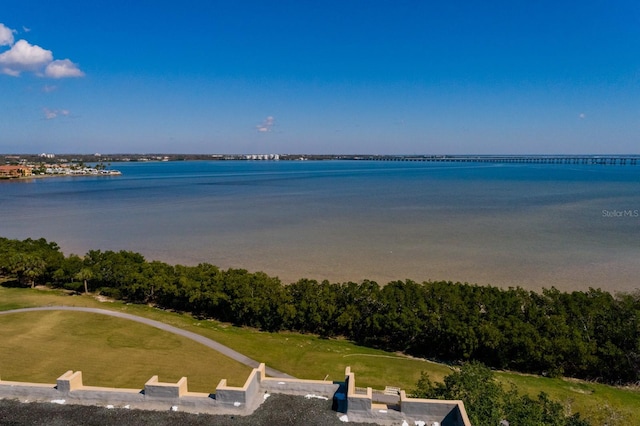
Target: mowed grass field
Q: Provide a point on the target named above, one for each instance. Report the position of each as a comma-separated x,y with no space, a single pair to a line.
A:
40,346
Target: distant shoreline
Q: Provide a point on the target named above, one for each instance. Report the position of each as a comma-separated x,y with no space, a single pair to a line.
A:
47,176
595,159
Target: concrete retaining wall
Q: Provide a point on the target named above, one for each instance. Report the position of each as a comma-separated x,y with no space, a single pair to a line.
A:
31,391
299,387
157,395
155,389
450,413
247,397
357,402
431,407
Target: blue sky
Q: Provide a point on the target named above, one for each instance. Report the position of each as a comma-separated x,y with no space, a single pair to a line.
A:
378,77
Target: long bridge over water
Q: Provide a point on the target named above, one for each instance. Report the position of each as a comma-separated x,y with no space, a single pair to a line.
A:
606,160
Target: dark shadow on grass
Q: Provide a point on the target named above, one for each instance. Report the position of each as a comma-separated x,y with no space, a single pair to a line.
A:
9,283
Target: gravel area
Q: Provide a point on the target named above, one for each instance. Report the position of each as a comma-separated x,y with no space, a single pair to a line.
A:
278,409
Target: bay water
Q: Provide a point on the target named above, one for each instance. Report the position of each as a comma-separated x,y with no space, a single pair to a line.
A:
528,225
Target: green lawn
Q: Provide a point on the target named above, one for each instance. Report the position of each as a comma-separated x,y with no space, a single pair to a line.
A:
41,346
116,352
600,403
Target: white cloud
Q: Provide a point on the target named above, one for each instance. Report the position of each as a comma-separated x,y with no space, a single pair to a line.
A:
62,68
266,125
48,88
582,115
6,35
50,114
24,57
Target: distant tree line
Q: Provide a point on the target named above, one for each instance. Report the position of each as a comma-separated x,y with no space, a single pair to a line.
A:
584,334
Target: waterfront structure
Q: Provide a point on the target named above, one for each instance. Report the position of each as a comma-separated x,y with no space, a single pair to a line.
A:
12,172
606,160
263,157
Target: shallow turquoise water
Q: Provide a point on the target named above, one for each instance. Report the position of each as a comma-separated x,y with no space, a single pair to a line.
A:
527,225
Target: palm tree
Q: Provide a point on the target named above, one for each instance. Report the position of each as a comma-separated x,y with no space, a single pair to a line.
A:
28,266
84,275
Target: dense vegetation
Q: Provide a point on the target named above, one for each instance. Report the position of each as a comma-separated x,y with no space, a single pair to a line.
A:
591,335
487,403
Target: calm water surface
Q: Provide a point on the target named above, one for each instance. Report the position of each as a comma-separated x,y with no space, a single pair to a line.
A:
572,226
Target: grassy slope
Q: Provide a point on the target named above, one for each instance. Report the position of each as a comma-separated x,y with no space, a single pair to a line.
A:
107,349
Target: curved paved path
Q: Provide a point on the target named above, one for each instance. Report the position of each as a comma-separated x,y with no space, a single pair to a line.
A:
225,350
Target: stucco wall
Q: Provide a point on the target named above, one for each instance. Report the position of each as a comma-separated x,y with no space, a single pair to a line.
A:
299,387
247,397
155,389
449,413
157,395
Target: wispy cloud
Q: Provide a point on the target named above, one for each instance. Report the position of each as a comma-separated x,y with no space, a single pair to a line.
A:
25,57
6,35
50,114
266,125
48,88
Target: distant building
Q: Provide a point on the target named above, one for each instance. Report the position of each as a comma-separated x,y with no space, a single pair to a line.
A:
263,157
11,172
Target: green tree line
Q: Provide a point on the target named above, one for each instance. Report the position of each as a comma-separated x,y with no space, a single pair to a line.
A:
488,403
584,334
